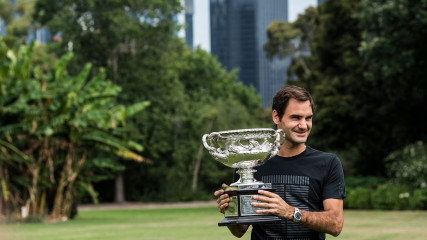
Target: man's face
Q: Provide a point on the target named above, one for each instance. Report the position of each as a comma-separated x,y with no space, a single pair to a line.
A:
296,121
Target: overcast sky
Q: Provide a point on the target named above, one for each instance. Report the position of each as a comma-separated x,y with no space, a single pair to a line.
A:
201,19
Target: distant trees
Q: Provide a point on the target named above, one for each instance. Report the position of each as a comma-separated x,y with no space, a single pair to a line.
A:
189,92
191,96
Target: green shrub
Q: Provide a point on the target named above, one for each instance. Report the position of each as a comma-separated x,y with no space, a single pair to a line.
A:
419,199
387,196
365,181
358,198
409,165
391,197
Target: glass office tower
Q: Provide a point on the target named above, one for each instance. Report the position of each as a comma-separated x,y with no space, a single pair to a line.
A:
189,11
238,34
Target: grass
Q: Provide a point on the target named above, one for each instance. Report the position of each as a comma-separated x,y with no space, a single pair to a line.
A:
201,223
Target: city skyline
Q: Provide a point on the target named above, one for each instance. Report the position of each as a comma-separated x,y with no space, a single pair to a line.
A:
201,23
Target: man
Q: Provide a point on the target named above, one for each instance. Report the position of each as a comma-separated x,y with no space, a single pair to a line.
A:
309,183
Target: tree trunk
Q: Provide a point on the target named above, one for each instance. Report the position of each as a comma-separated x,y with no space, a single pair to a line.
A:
59,198
33,189
2,205
114,63
199,160
119,194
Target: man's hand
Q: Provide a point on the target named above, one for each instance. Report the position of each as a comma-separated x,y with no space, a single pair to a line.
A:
273,204
223,200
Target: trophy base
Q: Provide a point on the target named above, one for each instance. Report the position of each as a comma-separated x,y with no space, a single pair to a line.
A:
241,211
247,220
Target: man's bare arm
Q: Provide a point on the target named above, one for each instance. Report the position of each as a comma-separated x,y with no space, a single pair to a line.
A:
329,221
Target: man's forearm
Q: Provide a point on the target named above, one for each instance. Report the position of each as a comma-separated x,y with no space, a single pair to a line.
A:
327,222
238,230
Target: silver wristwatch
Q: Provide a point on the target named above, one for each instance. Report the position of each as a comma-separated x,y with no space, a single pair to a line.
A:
297,215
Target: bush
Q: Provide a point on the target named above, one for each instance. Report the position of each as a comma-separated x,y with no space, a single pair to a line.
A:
358,198
419,199
408,165
387,196
366,181
391,197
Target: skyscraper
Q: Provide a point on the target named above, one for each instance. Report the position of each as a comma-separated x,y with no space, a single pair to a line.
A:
189,10
185,18
238,34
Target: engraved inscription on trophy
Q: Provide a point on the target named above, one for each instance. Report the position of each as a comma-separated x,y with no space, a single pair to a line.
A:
246,207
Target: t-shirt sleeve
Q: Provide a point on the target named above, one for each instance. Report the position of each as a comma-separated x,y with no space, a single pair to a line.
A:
334,185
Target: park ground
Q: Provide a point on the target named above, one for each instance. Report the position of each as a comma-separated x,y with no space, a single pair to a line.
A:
197,220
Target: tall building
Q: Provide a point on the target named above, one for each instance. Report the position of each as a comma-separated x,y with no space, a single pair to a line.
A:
189,10
238,34
185,19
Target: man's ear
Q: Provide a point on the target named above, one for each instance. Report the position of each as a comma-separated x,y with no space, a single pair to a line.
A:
275,117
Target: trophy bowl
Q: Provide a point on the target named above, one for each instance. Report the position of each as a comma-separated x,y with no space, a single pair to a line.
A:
244,149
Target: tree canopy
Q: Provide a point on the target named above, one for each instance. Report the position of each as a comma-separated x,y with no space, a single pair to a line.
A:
367,77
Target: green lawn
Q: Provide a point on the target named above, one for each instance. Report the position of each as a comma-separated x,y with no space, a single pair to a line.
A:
201,223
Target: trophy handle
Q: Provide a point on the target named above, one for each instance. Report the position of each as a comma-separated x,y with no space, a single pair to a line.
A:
205,143
280,137
212,150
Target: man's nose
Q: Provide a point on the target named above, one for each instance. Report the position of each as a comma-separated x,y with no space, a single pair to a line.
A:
302,124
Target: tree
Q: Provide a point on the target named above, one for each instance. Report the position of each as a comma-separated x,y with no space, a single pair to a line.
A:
17,17
50,124
188,91
367,62
101,32
335,73
116,35
292,38
194,95
393,53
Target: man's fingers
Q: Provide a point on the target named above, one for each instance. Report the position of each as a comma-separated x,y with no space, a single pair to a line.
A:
262,198
261,204
267,193
225,200
218,193
222,207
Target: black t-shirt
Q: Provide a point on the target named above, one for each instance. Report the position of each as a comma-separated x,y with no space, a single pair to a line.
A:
304,181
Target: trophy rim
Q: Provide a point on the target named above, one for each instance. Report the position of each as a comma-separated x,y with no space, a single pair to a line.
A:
248,130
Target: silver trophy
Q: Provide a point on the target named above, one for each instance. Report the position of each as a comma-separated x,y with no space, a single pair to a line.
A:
244,149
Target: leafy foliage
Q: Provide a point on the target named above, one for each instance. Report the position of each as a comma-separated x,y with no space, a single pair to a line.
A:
193,96
189,92
103,31
50,125
367,69
408,165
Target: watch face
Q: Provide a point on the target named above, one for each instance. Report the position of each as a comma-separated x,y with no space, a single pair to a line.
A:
297,216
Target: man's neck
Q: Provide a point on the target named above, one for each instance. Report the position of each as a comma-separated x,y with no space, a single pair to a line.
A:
290,150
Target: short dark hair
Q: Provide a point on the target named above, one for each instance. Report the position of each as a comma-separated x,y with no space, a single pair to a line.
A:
281,99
